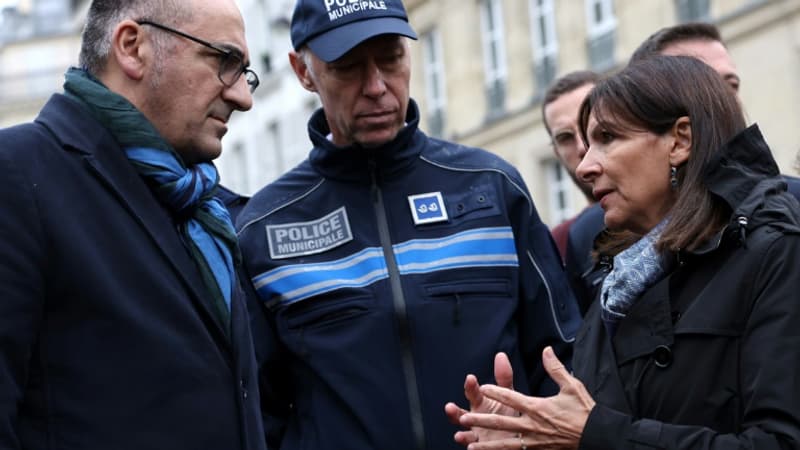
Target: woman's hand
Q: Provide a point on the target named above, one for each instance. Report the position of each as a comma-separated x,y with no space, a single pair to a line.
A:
478,403
553,423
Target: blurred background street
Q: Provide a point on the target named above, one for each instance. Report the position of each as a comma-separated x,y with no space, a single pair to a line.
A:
480,69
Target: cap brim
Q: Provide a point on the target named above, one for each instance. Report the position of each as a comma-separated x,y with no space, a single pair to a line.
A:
333,44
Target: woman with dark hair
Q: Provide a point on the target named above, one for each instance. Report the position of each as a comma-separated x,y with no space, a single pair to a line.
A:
694,342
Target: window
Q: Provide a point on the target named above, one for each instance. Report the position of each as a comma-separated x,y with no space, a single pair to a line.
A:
273,160
545,42
50,16
494,56
42,72
239,180
266,61
601,27
558,186
693,10
436,100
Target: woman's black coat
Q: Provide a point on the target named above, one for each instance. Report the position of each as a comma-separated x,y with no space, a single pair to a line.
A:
709,357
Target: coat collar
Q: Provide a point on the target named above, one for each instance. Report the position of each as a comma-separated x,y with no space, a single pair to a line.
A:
745,175
352,163
739,166
105,160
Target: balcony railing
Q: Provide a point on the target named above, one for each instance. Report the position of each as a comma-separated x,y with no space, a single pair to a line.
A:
693,10
545,70
601,51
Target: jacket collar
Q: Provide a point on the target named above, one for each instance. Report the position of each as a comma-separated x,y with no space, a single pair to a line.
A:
742,163
745,175
353,162
105,160
58,116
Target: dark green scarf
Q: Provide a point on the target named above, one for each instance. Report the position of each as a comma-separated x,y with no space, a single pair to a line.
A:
187,192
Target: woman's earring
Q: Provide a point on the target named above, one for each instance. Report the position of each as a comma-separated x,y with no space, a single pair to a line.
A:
673,177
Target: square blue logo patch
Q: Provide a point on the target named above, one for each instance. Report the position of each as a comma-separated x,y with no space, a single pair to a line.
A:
427,208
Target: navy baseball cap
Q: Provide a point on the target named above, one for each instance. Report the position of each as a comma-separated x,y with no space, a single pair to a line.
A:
331,28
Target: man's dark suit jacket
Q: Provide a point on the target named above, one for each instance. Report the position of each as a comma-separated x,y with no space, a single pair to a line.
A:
107,336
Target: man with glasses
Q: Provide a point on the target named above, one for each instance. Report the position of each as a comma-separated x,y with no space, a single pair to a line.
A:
123,322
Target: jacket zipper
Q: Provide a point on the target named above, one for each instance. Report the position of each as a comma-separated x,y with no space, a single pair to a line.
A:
400,312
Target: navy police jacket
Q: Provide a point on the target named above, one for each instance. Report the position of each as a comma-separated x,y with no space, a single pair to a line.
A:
387,275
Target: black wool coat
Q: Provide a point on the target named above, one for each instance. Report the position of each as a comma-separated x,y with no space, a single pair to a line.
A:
107,338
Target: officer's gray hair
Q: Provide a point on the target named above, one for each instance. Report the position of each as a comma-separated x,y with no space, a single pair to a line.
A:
305,55
104,15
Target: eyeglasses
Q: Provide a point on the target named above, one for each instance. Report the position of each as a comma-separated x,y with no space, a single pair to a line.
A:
231,66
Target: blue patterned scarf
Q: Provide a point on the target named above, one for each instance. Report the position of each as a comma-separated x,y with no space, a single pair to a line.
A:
187,192
635,269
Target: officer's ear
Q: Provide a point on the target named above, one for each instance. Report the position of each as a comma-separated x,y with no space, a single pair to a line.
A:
300,62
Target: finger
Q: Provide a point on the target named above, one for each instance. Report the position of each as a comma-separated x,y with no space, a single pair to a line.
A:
503,372
454,413
465,437
555,368
472,391
498,444
493,422
509,398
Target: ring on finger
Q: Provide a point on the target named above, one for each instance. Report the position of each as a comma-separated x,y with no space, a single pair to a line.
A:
522,445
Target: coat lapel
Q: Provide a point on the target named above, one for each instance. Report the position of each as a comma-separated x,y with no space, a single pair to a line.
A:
647,326
645,330
106,161
644,339
595,363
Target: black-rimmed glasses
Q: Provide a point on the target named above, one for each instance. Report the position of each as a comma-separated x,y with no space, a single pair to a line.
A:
231,65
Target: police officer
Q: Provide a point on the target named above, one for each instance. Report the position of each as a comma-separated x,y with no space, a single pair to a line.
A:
390,264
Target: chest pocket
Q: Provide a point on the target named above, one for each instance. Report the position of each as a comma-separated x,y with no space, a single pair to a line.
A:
474,204
691,377
477,298
324,312
476,289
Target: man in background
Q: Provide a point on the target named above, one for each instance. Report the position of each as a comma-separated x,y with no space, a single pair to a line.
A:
378,256
123,323
560,116
697,39
702,41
